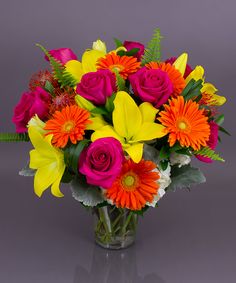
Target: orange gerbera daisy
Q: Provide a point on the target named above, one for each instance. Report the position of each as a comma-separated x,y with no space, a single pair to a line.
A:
186,123
125,65
67,124
135,186
174,75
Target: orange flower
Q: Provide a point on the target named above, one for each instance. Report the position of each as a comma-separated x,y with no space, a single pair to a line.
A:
135,186
186,123
174,75
69,123
125,65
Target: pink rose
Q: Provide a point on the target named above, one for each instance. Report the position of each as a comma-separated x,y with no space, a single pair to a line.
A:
31,103
212,142
152,85
131,45
188,69
101,162
62,54
97,86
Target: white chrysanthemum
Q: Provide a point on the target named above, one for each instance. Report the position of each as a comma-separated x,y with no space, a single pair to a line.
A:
180,159
163,182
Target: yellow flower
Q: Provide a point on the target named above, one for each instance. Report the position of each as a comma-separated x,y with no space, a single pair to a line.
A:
100,46
132,125
37,124
88,64
48,161
208,88
181,63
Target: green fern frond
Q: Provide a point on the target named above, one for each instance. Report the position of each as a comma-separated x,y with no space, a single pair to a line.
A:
14,137
153,50
210,153
120,82
63,77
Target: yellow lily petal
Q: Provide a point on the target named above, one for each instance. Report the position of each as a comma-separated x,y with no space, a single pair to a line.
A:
84,103
181,63
75,68
218,100
105,132
97,123
37,124
135,152
89,60
100,46
44,177
149,131
148,112
196,74
43,147
126,116
38,160
208,88
55,186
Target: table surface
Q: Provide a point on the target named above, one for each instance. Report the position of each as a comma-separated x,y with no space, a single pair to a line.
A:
190,238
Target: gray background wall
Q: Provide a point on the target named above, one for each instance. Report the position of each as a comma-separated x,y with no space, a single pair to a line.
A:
191,237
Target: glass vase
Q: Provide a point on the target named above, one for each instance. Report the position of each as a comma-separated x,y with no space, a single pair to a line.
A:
114,228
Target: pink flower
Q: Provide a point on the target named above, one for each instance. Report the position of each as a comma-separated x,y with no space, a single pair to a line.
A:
188,69
31,103
97,86
152,85
63,55
101,162
132,44
212,143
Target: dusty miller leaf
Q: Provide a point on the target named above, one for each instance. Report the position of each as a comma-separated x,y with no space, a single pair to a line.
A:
184,177
87,194
27,172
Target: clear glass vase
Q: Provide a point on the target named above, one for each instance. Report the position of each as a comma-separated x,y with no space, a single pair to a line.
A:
115,228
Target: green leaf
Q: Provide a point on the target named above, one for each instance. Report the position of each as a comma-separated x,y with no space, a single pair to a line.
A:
99,110
14,137
192,90
49,88
110,103
63,77
223,130
118,42
87,194
164,164
164,152
220,119
153,50
27,172
72,154
121,53
132,52
208,152
184,177
184,151
67,176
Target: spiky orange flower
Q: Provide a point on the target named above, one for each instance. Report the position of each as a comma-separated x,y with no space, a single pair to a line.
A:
174,75
185,122
135,186
67,124
125,65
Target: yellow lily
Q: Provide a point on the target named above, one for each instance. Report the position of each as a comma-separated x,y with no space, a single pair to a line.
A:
48,161
208,88
181,63
132,125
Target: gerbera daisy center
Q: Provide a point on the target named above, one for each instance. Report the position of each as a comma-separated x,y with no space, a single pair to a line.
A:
129,181
118,68
182,125
68,126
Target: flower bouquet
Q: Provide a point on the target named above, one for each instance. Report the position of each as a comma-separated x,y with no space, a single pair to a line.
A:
120,127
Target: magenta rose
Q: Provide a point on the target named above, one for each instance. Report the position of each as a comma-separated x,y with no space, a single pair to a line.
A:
212,142
97,86
188,69
152,85
131,45
101,162
62,54
31,103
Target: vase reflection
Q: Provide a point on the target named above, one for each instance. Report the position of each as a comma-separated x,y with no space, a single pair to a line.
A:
114,266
